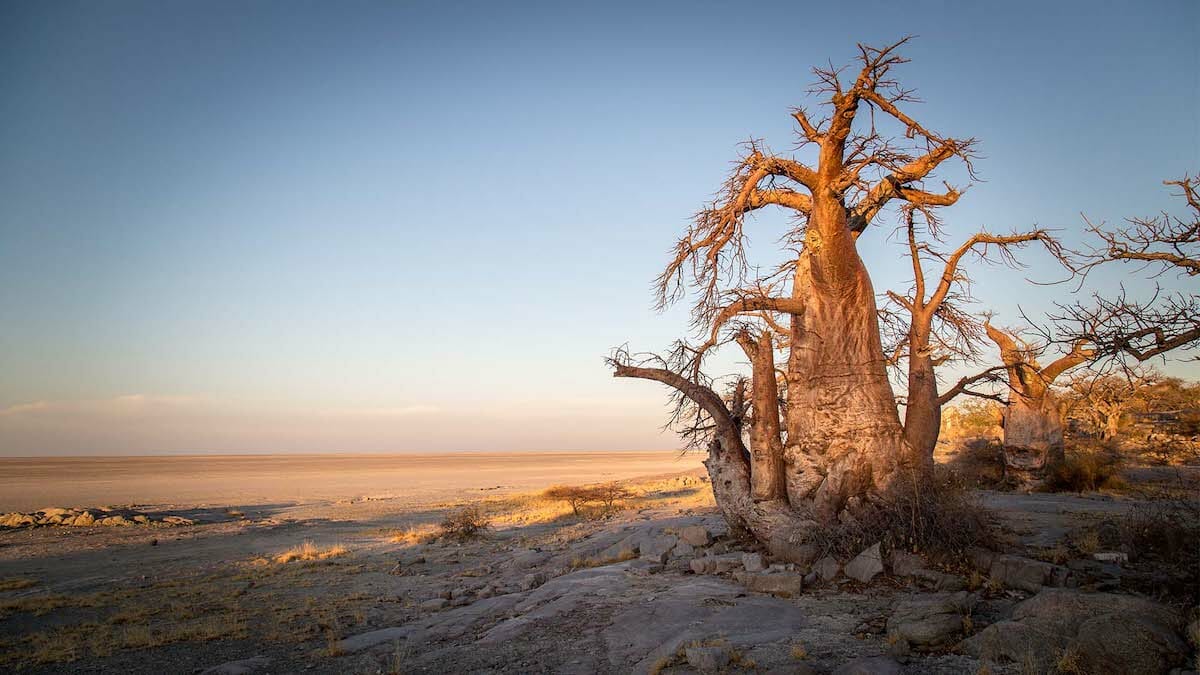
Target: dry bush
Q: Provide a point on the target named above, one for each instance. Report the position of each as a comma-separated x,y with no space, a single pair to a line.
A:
937,515
1086,469
1170,451
1164,535
979,462
610,494
308,551
467,523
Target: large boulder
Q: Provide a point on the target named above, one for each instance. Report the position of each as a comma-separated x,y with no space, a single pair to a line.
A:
716,564
1102,632
695,535
931,621
866,565
1027,575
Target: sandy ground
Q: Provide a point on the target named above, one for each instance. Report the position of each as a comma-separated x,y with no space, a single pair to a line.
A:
249,480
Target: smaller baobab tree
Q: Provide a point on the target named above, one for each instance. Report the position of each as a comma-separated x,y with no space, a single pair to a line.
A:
1033,418
932,325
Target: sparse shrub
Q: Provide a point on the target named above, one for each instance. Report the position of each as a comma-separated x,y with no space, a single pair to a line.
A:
1086,470
609,494
937,515
466,523
1167,531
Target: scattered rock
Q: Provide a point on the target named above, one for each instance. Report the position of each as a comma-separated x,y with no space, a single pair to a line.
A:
716,564
178,520
695,535
753,562
434,604
1026,574
782,547
533,580
866,565
85,519
931,621
1105,632
707,659
1117,557
527,559
875,665
683,550
784,584
827,568
659,548
906,564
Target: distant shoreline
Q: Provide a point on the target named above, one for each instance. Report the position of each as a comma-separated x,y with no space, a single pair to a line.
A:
305,453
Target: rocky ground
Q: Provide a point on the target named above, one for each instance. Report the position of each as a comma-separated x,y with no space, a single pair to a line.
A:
659,587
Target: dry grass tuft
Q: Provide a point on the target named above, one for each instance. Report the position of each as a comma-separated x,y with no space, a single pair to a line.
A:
415,534
308,551
15,583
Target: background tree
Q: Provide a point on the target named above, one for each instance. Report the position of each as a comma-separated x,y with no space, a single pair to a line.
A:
1033,418
1102,399
840,445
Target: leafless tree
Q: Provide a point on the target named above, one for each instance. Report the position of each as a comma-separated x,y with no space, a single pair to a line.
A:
1101,398
1131,330
825,437
934,324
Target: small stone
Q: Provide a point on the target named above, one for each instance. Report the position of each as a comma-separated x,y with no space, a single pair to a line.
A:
141,519
930,621
866,565
659,548
753,562
683,550
783,584
242,667
707,659
434,604
527,559
716,564
532,581
85,519
695,535
827,568
1117,557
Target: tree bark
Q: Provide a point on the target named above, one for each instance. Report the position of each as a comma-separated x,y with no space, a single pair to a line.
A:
845,441
923,409
766,448
1033,435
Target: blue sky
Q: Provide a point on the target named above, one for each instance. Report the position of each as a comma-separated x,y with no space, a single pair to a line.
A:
420,226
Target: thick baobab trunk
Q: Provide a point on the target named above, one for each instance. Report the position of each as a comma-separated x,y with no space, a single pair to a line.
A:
844,436
1033,435
1033,421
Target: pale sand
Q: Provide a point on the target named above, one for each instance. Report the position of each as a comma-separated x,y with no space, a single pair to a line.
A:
29,484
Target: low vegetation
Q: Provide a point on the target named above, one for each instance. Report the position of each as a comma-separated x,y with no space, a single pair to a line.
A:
468,522
308,551
604,499
1087,469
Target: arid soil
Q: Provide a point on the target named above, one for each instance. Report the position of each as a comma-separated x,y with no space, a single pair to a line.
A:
657,584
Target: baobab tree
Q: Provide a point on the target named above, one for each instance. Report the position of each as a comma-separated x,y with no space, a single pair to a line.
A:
1033,418
826,440
934,326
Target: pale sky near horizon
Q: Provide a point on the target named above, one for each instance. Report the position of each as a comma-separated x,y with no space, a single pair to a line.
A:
420,226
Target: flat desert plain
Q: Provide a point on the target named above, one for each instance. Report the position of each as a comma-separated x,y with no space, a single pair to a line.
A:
32,483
